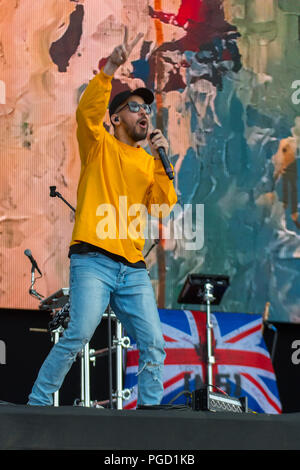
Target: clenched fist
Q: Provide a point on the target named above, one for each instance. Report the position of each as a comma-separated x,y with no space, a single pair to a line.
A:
156,139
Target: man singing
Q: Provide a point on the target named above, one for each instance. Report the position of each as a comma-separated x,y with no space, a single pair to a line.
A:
106,260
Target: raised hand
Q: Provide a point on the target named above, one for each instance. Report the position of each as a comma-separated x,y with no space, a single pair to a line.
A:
121,53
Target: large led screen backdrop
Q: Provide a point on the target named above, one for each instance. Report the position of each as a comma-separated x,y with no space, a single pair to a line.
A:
226,78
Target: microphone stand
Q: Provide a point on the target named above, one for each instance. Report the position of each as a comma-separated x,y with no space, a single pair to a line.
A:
54,193
32,291
156,242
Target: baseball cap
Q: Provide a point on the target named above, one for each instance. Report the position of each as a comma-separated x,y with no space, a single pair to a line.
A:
144,93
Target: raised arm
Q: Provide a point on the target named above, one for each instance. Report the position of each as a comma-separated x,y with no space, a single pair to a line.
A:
94,101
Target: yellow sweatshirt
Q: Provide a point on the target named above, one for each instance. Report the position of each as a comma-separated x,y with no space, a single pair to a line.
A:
115,179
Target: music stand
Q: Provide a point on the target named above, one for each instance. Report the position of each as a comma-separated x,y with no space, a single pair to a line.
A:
205,289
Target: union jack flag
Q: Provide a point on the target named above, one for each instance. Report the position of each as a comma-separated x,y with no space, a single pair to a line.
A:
242,363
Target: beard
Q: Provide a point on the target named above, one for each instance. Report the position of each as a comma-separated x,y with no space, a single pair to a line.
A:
137,133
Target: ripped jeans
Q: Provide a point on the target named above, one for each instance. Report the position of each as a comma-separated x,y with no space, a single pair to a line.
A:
95,281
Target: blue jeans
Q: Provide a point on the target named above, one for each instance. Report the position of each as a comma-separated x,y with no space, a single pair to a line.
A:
96,281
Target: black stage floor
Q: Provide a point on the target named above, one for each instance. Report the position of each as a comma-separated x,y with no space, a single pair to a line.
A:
79,428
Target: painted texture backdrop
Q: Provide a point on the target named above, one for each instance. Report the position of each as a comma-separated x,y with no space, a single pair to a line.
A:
224,75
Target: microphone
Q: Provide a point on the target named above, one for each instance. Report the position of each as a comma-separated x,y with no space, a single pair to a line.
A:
53,191
33,262
164,159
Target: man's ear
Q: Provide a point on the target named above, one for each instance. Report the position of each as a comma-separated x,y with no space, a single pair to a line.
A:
115,119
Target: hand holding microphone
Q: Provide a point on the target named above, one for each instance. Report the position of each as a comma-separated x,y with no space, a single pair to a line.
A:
159,145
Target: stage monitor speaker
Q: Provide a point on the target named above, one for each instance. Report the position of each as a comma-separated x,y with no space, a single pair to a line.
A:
206,400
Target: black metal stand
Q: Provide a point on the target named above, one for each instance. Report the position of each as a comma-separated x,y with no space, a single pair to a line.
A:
54,193
205,289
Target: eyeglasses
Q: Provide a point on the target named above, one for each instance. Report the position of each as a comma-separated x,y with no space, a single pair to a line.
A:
134,107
